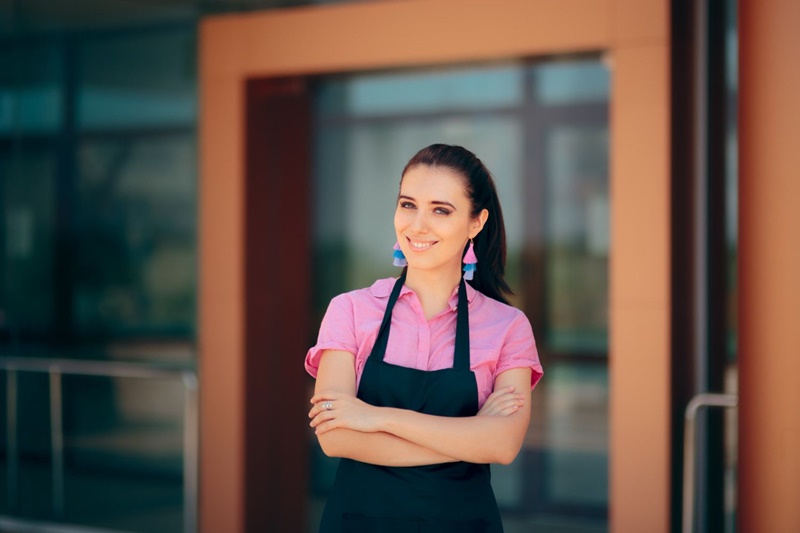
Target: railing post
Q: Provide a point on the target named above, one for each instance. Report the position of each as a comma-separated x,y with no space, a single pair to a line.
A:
689,448
11,437
191,453
57,440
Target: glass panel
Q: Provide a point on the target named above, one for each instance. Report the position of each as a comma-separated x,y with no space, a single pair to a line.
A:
135,258
578,238
572,82
98,229
34,478
123,453
576,429
138,80
574,411
123,462
422,92
28,200
31,77
543,131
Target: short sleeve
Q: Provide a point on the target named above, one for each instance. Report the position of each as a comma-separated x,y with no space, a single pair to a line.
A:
337,332
519,350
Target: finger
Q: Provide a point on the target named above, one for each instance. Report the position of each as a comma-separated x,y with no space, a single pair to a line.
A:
322,406
326,426
504,390
502,405
508,402
324,416
500,399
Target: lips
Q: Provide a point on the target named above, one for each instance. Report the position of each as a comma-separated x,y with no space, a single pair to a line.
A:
420,246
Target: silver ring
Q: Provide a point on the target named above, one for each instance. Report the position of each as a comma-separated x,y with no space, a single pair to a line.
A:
327,406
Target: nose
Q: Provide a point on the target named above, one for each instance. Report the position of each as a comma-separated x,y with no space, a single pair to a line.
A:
419,224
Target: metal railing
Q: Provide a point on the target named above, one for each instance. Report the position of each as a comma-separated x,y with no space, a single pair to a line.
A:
690,449
56,368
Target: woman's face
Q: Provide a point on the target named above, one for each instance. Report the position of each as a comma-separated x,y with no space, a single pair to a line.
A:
433,219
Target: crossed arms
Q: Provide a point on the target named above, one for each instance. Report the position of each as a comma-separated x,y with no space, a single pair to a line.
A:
400,437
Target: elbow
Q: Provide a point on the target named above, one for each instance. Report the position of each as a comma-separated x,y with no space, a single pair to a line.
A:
506,458
506,454
329,444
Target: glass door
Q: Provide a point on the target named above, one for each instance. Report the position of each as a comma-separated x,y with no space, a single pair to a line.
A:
542,129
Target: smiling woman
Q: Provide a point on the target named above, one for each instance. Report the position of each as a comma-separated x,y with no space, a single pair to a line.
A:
418,421
433,220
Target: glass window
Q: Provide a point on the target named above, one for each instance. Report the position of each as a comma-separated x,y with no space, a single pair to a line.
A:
138,80
135,260
578,238
28,210
572,82
31,88
98,232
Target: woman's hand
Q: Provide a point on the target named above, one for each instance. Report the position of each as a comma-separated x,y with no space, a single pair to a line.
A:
502,402
341,410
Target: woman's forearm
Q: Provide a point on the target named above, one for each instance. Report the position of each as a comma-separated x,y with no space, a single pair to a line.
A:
378,448
476,439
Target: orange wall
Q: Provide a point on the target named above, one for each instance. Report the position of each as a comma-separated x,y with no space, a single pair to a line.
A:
402,33
769,266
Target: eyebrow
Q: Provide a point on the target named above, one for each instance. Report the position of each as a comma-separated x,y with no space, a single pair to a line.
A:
434,202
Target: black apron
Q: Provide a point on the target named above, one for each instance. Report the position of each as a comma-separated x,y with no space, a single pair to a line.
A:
441,498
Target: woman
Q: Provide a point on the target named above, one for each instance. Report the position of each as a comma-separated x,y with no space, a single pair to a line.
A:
425,380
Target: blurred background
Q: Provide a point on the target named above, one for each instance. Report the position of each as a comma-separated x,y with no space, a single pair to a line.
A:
99,256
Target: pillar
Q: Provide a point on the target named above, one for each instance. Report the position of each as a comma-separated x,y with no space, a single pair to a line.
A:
769,266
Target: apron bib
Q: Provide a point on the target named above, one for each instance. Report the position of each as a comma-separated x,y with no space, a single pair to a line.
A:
441,498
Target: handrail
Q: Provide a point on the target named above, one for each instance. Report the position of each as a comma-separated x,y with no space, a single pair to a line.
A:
689,449
55,368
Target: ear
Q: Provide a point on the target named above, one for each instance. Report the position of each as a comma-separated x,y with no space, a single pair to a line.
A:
478,222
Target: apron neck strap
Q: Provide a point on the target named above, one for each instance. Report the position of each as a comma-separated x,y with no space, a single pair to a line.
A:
461,355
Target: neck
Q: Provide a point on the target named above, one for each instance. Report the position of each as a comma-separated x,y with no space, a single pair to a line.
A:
433,288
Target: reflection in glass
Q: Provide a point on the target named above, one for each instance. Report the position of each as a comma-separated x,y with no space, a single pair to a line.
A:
30,88
731,384
136,257
27,186
138,80
123,453
98,231
578,238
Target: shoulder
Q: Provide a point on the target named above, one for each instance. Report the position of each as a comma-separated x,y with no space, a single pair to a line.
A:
502,317
498,309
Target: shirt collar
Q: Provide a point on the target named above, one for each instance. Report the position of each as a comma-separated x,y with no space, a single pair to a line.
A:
382,288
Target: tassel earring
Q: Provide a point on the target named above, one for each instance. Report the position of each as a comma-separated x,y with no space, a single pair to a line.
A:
399,260
470,262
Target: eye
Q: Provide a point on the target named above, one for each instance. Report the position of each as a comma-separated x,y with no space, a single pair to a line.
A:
407,205
441,211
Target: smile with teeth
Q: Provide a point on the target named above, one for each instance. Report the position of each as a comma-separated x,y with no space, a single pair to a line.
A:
420,245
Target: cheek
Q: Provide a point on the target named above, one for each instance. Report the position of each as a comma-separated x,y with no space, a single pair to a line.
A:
401,219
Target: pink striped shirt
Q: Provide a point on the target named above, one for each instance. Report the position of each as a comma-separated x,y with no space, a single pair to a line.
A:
500,335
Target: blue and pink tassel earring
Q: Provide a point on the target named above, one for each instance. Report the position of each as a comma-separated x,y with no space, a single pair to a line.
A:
470,262
399,259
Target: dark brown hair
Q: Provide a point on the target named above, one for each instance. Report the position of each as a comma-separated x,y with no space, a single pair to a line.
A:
490,243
